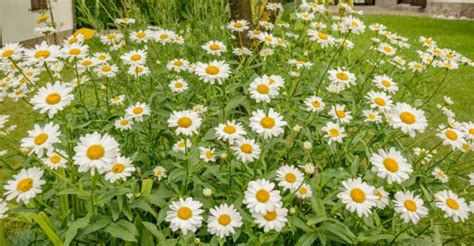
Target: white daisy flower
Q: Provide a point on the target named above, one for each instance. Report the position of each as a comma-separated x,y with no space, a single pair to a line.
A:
138,111
124,123
106,70
261,197
267,125
178,85
334,132
134,57
238,25
372,116
453,206
340,114
207,154
55,159
25,185
409,206
52,98
440,175
314,104
391,165
185,215
159,172
75,51
382,198
452,137
214,48
230,131
95,151
141,36
304,191
182,145
42,53
385,83
41,139
223,220
11,50
212,72
246,150
358,197
117,100
121,169
379,100
178,65
386,49
164,36
273,219
289,177
262,91
342,77
408,119
321,38
186,122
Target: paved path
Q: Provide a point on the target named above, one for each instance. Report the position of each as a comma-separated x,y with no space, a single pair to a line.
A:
380,10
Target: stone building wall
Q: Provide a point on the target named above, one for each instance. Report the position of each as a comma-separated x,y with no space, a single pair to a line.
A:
451,8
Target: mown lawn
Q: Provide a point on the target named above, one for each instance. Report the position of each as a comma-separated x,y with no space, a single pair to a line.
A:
454,34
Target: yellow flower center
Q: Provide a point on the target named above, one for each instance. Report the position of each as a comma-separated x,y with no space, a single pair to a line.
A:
124,122
267,122
268,39
41,138
380,101
86,62
185,122
53,98
333,132
185,213
73,40
316,104
138,110
386,83
74,52
95,152
262,195
342,76
24,185
86,32
178,63
358,195
55,159
379,195
212,70
138,69
140,35
41,19
323,36
230,129
246,148
209,154
471,131
371,116
410,205
118,168
270,215
390,164
106,68
42,54
136,57
178,85
341,114
238,25
452,204
263,89
214,47
452,135
111,36
224,219
290,177
407,118
387,49
164,36
303,190
7,53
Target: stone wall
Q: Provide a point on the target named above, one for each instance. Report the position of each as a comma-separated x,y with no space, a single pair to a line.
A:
385,3
451,8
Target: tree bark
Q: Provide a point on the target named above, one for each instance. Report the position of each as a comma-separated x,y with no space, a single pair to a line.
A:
241,10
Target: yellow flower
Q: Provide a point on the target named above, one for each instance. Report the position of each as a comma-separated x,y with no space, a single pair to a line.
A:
41,19
86,32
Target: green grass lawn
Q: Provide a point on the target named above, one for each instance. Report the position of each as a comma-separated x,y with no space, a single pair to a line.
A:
453,34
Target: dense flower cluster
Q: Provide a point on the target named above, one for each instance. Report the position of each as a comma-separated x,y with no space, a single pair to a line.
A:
278,136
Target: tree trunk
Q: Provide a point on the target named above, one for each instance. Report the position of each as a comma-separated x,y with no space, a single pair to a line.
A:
241,10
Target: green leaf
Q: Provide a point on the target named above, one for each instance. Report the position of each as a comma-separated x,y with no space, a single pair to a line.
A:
124,230
74,227
147,186
100,223
45,223
307,239
152,228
